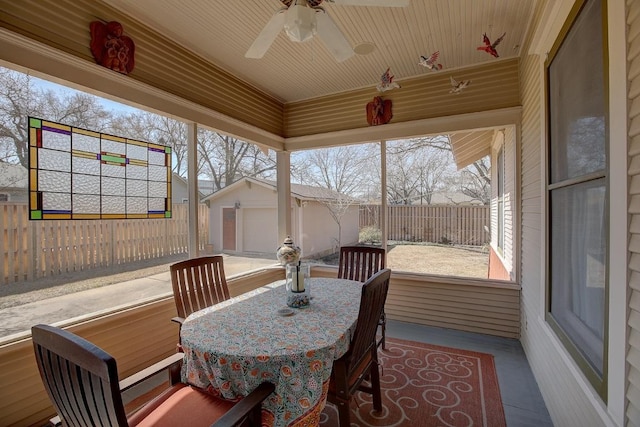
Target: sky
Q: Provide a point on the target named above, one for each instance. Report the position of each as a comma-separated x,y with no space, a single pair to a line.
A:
112,106
106,103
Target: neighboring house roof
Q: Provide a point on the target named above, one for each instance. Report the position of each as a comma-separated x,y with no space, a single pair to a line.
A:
440,198
177,178
206,186
299,191
13,176
453,198
467,147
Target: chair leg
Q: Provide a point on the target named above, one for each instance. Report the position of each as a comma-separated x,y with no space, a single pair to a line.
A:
254,418
384,330
344,413
375,386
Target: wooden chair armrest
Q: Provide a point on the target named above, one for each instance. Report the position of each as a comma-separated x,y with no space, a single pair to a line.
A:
172,363
245,406
178,319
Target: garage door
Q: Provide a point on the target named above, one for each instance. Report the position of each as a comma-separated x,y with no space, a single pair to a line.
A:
260,230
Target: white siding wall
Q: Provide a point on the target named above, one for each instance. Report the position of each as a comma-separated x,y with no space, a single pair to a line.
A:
570,399
510,199
312,227
508,144
250,197
258,231
495,149
320,231
633,356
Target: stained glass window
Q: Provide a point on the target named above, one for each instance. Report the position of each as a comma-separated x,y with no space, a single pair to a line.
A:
81,174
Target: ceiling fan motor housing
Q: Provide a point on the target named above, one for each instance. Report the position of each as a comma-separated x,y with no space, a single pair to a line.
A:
311,3
300,23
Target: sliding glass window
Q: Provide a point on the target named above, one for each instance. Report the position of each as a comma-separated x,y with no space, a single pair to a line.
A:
577,190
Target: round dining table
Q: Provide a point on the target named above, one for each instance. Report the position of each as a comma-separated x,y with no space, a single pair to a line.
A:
231,347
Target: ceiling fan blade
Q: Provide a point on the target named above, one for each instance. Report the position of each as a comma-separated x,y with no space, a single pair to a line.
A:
332,37
267,36
382,3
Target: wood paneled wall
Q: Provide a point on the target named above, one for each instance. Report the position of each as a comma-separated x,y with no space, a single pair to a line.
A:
481,306
489,307
493,86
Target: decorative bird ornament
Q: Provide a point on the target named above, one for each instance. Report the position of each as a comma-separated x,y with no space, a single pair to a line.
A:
457,86
386,82
431,62
489,47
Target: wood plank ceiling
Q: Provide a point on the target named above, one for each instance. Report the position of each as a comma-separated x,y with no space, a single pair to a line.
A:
221,31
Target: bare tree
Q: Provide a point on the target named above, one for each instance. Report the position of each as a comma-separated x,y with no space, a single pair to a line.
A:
340,171
416,173
225,159
476,181
21,98
419,167
150,127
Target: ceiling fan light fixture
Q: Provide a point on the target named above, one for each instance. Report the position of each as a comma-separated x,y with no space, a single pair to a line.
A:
300,23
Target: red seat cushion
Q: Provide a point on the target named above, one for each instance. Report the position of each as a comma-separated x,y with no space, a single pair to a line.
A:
181,405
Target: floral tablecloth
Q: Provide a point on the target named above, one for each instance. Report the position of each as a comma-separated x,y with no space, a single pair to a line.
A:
233,346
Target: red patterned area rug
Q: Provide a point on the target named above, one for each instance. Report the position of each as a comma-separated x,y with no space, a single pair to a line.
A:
429,386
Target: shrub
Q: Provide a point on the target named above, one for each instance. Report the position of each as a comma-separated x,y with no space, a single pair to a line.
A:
370,235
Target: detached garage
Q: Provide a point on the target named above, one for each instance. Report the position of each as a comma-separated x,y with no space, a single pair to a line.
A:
244,218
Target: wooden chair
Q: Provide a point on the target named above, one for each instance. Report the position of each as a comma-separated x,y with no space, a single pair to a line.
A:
82,382
361,360
198,283
360,263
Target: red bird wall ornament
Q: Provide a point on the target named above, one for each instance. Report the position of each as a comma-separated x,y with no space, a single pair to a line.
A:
489,47
110,48
379,111
431,62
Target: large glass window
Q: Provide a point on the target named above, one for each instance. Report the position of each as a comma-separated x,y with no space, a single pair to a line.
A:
82,267
578,192
437,215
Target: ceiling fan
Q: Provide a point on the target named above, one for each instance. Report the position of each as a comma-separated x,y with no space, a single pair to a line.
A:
303,19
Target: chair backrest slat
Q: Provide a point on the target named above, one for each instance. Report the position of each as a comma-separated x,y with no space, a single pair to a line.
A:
360,262
80,378
374,295
198,283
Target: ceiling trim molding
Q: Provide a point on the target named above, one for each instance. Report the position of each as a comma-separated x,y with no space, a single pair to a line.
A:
40,60
433,126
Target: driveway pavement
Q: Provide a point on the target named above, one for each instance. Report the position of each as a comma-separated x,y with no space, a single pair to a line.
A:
18,319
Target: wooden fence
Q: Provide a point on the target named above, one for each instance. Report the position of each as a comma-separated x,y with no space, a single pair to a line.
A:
37,249
459,225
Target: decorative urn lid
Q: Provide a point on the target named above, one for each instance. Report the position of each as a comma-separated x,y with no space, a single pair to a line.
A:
288,253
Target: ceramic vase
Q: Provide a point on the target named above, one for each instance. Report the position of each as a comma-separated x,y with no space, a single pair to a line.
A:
288,253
